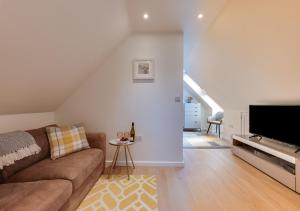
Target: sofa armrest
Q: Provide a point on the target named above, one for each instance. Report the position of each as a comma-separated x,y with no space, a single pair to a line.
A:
97,140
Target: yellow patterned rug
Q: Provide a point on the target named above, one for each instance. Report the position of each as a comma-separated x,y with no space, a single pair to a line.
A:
119,193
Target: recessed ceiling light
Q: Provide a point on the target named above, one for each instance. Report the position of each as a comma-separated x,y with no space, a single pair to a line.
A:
200,16
146,16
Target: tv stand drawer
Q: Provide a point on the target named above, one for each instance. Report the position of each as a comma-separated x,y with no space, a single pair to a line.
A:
273,170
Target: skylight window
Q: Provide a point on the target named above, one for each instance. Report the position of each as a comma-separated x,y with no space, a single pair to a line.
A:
201,93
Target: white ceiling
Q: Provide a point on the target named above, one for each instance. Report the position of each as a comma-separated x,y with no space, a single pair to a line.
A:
47,48
163,15
172,15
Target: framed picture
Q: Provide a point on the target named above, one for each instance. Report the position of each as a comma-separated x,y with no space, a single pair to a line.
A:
143,69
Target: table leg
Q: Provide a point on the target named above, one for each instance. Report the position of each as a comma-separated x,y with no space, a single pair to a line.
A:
117,157
126,163
113,162
131,157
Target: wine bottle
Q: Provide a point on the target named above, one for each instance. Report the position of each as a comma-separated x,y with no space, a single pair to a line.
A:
132,132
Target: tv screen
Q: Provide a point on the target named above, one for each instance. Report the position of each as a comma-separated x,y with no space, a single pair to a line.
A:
281,123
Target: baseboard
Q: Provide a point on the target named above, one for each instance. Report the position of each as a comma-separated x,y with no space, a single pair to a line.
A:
149,163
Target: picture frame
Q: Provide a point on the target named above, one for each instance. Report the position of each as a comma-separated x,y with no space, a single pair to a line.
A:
143,69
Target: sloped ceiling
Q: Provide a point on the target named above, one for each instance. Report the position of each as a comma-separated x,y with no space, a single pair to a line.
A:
250,55
48,47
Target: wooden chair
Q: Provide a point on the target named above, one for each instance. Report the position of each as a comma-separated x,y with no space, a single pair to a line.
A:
216,120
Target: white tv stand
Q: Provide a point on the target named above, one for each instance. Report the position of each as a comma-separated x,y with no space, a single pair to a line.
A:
278,161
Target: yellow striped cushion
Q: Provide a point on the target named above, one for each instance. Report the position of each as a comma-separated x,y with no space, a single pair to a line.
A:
66,140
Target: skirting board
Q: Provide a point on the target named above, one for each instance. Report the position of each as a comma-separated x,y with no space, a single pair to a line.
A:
148,163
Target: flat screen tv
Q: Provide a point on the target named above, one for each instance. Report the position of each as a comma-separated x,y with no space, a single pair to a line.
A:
277,122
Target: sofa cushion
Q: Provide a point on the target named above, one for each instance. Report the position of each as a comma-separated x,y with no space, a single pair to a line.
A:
38,196
66,140
40,136
75,167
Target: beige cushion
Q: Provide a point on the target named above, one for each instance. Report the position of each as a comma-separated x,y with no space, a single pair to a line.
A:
66,140
37,196
75,167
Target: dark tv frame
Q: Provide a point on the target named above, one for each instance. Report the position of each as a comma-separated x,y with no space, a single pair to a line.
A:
263,135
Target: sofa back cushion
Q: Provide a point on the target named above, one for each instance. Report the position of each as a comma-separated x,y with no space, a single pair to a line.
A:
40,136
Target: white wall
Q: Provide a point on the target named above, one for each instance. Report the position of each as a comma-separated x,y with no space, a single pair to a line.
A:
109,100
187,93
250,55
25,121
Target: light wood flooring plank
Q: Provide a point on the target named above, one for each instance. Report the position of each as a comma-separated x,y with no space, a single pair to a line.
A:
214,179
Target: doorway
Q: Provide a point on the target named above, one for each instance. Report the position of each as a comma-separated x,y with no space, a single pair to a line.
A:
198,109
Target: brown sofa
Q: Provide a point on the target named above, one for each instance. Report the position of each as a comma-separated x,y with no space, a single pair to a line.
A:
39,183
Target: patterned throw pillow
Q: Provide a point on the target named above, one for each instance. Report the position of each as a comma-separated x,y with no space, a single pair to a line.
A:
66,140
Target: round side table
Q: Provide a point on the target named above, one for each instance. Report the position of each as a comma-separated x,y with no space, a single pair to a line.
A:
119,144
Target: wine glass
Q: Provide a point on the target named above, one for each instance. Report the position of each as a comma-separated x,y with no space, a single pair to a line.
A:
120,135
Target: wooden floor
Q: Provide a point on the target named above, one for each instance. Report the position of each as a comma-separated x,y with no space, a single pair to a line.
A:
214,179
